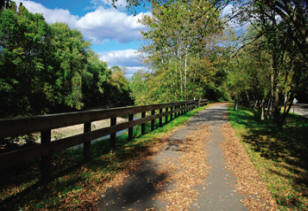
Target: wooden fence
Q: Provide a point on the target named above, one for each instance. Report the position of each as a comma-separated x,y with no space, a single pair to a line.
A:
45,123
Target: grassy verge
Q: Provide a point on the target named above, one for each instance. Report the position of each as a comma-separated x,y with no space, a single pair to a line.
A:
279,155
78,184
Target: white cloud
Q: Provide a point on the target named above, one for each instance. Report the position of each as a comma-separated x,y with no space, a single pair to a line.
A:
131,70
97,26
50,15
110,24
129,59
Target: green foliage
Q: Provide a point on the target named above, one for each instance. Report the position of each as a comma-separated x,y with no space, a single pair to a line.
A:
137,85
183,41
24,39
270,68
95,79
118,88
50,68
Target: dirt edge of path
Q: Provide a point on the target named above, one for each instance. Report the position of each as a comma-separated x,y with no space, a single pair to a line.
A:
255,193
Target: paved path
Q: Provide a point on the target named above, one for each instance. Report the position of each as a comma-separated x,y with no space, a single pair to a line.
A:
300,109
218,192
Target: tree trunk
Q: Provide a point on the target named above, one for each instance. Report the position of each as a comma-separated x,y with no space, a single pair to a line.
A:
235,105
275,111
185,74
181,79
262,110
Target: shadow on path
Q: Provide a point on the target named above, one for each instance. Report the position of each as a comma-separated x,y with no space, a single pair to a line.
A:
137,191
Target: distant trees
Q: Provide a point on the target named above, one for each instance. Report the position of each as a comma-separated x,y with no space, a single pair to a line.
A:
181,44
118,88
50,68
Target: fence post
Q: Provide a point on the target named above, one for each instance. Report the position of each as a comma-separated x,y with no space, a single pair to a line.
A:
174,111
113,122
46,159
160,118
143,124
87,143
130,130
166,116
153,120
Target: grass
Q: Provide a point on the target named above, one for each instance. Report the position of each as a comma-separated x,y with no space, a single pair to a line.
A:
279,155
77,184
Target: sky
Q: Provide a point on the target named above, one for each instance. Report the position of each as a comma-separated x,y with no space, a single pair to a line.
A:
115,33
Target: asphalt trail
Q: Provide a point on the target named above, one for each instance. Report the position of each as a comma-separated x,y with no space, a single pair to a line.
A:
218,192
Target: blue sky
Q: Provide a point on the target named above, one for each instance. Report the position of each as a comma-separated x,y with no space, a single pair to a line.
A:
114,33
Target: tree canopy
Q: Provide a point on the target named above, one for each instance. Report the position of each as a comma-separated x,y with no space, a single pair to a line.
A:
50,68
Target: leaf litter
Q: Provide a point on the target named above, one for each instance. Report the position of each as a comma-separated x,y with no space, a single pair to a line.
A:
178,189
256,195
187,171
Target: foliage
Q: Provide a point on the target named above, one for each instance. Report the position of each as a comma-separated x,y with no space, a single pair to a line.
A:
24,40
275,35
118,88
138,86
181,48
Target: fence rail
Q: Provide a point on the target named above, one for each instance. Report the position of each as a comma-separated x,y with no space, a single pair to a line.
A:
45,123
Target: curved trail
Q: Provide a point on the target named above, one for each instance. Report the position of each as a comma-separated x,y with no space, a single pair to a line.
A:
217,193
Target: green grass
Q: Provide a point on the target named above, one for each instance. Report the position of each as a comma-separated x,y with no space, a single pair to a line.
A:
279,155
75,180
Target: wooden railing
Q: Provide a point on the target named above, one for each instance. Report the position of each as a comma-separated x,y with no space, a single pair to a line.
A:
45,123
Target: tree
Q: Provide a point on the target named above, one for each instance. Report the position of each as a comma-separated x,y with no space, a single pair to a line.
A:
280,27
118,88
69,59
181,34
49,68
24,41
139,89
249,78
94,80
